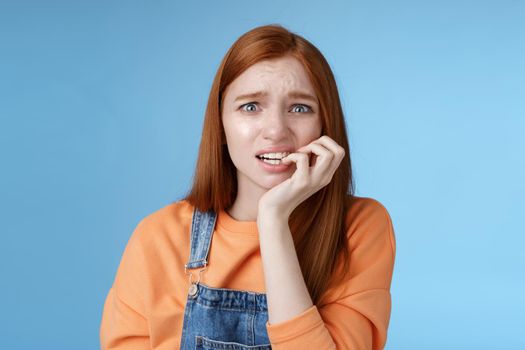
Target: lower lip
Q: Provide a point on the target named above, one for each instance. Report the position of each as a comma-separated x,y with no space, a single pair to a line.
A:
274,168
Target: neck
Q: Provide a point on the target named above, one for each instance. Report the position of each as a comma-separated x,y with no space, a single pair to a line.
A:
244,209
246,204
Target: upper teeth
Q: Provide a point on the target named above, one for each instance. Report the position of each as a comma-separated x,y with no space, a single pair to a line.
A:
279,155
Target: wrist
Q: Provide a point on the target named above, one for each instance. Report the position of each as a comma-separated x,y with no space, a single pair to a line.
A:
271,217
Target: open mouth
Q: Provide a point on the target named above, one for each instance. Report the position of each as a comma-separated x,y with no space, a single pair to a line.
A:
272,158
273,161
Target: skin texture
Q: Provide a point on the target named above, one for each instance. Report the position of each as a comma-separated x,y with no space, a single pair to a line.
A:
273,120
276,119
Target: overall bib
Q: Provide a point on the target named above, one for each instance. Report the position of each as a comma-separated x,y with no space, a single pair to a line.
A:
219,318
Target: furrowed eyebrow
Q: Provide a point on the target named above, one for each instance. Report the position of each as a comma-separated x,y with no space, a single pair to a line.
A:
251,96
303,95
293,94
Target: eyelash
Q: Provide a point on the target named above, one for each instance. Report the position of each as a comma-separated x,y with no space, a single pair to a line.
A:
309,109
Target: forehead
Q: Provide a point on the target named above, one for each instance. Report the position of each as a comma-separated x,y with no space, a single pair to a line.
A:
276,76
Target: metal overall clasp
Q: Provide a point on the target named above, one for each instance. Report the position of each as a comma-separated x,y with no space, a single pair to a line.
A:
193,285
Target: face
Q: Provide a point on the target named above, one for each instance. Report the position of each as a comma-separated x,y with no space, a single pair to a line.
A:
271,104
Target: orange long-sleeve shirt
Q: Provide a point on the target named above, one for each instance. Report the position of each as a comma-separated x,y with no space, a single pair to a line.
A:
144,308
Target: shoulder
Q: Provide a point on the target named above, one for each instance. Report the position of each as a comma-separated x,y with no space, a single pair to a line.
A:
157,239
365,208
166,215
371,247
367,219
168,221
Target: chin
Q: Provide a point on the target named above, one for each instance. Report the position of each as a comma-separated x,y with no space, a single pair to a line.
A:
276,180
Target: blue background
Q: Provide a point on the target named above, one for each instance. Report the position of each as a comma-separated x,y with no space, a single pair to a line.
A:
101,111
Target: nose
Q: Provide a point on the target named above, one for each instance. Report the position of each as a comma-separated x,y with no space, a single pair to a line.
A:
275,125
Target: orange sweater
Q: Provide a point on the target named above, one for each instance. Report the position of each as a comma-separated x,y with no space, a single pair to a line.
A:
144,308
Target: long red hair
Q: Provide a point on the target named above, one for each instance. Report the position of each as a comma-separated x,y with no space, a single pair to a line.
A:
317,224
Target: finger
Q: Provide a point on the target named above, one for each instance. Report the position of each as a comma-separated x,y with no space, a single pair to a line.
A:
336,149
333,146
311,155
301,162
323,161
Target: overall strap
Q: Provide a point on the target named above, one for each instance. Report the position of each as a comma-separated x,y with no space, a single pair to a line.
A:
202,226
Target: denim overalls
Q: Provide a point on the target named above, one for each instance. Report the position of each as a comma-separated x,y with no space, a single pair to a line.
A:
219,318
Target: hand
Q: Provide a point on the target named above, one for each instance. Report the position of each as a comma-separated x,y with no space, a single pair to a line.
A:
306,180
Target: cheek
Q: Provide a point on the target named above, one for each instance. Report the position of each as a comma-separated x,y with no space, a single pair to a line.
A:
318,128
239,137
316,133
309,132
235,129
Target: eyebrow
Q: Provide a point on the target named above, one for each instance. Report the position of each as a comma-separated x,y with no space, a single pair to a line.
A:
293,94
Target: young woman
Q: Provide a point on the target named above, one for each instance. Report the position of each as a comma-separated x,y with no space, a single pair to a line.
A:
270,249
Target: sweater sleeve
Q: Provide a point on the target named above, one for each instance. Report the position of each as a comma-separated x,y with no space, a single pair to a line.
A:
124,322
356,313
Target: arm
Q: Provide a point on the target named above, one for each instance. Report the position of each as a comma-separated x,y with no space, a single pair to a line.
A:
122,326
356,313
286,290
124,323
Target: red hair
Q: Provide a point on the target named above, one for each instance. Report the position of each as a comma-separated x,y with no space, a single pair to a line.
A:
317,224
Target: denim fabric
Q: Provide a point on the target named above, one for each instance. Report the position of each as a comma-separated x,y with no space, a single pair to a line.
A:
219,318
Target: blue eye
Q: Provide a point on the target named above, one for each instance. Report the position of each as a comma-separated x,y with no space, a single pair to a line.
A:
307,108
248,104
251,107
